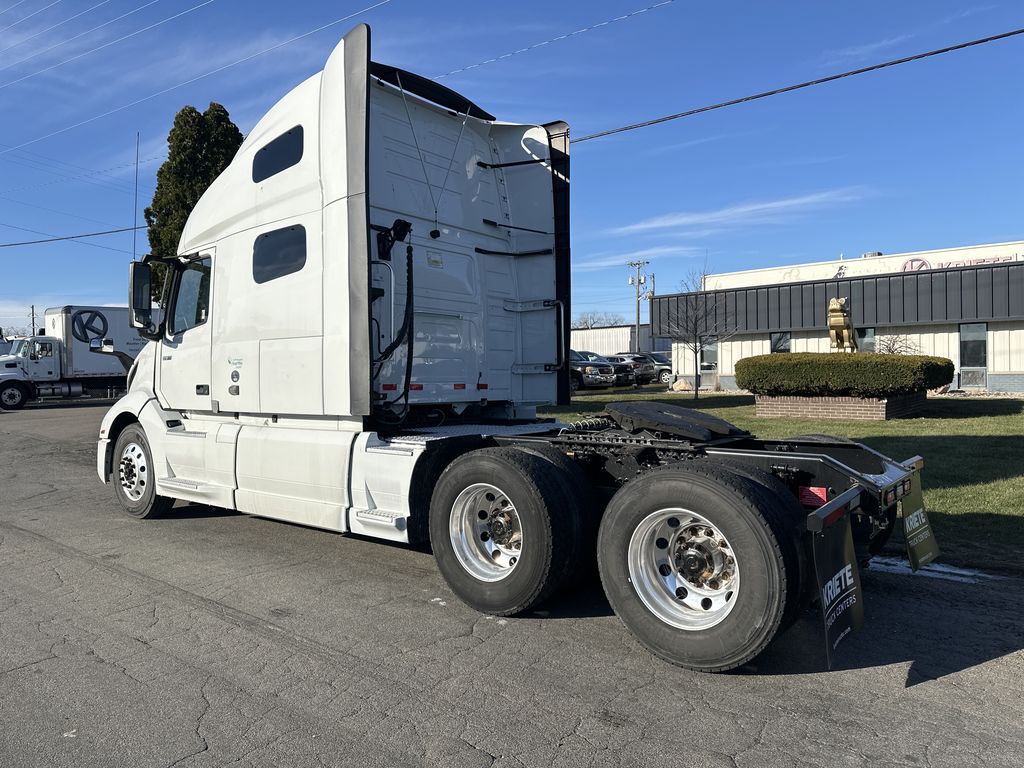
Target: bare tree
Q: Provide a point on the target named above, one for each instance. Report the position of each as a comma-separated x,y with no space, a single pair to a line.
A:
896,345
703,320
597,320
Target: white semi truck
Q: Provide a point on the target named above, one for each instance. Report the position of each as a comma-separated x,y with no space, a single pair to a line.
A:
58,362
367,308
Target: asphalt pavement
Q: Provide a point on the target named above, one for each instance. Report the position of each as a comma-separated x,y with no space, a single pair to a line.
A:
209,638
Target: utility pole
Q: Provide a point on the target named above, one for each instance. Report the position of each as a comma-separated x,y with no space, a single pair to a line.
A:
32,331
636,283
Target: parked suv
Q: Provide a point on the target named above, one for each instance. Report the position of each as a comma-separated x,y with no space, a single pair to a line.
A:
662,364
643,366
590,373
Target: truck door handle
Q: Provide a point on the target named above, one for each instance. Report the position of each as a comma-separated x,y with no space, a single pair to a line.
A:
202,389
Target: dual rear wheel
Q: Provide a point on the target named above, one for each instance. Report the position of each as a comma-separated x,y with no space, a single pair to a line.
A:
701,562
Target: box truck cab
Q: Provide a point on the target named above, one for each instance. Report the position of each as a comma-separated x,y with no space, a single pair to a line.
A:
366,309
59,362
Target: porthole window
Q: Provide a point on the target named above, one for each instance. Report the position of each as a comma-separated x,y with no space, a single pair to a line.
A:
283,152
278,253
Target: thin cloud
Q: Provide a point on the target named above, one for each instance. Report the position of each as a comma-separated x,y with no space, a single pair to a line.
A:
650,254
856,53
762,212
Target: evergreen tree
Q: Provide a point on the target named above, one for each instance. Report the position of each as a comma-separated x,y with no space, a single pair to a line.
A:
199,147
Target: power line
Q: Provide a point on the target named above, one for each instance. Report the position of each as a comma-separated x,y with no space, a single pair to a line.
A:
34,13
107,44
196,78
54,210
555,39
50,29
11,7
798,86
54,239
83,177
71,39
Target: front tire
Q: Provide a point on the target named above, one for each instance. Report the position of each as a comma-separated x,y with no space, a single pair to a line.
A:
665,377
695,567
13,396
502,530
134,476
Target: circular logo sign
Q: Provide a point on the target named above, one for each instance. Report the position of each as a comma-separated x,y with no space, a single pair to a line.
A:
915,265
88,324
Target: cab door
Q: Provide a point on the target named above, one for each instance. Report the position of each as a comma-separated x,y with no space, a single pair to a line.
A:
43,363
183,369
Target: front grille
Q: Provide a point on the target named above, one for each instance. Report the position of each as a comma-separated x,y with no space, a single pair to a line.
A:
606,369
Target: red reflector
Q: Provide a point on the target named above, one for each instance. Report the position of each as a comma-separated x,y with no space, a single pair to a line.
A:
460,386
389,387
813,496
481,386
416,387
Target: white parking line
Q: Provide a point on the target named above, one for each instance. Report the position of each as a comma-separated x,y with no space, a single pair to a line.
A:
933,571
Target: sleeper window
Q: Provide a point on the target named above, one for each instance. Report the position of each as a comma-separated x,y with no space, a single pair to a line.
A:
283,152
278,253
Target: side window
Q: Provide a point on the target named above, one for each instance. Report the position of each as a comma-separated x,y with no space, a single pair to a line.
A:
278,253
283,152
780,342
191,302
44,349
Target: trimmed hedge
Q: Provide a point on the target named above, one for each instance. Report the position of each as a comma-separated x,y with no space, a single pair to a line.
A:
813,374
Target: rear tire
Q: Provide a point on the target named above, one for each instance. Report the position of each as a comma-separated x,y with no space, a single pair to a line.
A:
696,566
134,476
13,396
581,501
504,533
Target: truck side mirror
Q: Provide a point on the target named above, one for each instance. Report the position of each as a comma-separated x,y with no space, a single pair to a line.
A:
140,300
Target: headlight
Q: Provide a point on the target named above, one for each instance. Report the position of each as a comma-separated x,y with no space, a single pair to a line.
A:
590,369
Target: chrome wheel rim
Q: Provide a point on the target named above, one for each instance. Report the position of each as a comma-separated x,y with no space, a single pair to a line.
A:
133,471
11,396
486,532
683,569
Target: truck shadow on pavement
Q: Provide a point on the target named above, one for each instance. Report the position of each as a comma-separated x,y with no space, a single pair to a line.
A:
939,627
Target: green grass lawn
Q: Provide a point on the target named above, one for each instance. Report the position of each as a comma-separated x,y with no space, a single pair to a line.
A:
973,451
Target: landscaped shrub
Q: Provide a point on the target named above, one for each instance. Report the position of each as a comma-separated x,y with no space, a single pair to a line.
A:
814,374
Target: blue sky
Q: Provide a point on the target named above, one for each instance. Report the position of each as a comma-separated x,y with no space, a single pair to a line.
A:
928,155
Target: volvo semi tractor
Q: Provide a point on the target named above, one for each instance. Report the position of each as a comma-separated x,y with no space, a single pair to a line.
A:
58,361
368,307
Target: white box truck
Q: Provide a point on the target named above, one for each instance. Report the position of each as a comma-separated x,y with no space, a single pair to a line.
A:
58,362
368,306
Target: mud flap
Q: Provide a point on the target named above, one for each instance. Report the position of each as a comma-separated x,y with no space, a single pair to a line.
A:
835,565
922,548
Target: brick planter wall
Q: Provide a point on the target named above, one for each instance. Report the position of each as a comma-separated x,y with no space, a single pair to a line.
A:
840,408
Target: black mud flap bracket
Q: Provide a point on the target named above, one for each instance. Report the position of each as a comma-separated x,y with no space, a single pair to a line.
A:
835,566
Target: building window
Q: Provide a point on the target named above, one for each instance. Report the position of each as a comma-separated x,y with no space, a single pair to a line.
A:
974,345
781,341
709,351
278,253
283,152
866,339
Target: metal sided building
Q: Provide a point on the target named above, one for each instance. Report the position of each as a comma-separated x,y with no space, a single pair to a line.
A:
964,304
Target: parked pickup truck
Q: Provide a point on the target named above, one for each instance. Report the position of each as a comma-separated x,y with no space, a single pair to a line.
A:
589,373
